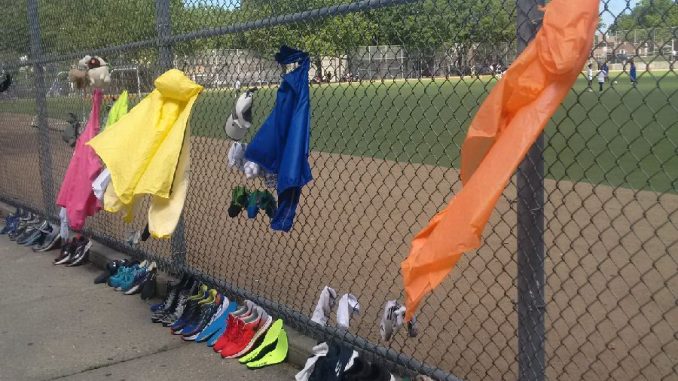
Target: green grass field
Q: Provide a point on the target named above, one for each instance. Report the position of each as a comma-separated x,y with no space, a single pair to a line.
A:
623,137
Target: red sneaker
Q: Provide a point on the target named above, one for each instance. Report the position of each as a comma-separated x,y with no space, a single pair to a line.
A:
250,333
232,330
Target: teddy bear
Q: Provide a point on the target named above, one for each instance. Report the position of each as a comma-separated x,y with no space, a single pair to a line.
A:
98,73
90,70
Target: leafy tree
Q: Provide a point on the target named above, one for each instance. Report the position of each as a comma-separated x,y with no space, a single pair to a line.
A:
648,14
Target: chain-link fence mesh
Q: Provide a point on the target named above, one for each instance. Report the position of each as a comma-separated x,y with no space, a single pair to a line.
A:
394,85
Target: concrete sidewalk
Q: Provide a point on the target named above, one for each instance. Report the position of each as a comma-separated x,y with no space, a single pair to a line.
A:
56,324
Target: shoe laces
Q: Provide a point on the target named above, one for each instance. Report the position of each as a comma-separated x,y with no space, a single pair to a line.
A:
235,333
242,339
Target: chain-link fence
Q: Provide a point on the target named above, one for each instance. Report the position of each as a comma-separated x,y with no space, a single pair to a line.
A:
576,278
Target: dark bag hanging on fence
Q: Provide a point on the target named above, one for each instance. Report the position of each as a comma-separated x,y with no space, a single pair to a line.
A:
281,145
5,83
72,130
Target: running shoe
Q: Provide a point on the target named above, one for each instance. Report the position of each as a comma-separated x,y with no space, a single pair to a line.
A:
190,332
177,308
81,254
233,325
173,290
218,323
251,329
148,289
66,253
140,279
49,242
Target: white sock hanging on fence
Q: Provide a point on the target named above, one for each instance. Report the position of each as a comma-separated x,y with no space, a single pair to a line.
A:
251,169
63,229
348,306
236,155
391,320
100,184
324,306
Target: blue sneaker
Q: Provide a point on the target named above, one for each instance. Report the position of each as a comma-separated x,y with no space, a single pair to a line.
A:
127,279
10,223
218,324
116,279
139,277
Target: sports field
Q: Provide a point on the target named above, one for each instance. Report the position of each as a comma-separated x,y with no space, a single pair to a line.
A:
610,277
622,137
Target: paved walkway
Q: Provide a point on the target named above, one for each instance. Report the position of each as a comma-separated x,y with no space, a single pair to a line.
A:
56,324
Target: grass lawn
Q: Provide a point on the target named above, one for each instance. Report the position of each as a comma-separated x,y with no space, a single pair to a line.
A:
623,137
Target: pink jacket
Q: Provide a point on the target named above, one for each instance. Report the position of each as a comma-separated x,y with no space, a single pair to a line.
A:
76,193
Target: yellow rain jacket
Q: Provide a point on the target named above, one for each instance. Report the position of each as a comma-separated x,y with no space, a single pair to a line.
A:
148,152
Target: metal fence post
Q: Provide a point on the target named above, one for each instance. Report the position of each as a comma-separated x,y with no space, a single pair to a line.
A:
163,21
44,151
530,183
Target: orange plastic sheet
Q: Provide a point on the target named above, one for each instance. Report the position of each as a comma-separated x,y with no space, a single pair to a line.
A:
505,127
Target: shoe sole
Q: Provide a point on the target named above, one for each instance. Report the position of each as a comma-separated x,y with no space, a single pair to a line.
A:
270,338
50,246
77,261
256,337
65,260
207,337
81,260
134,289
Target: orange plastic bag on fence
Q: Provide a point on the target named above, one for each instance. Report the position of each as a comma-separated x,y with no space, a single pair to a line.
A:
505,127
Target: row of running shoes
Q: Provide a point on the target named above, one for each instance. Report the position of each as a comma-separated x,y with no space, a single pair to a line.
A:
30,230
196,312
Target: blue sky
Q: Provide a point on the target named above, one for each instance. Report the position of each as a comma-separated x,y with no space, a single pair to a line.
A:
615,7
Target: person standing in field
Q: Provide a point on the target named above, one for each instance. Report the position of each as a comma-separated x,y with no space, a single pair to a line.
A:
601,78
633,73
589,76
605,70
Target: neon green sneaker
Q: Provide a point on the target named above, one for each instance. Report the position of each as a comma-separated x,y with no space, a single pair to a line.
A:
274,357
269,339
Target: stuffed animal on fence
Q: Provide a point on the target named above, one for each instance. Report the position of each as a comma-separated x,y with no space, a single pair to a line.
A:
98,73
78,77
78,74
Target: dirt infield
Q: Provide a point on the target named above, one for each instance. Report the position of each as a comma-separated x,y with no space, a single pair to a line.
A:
611,258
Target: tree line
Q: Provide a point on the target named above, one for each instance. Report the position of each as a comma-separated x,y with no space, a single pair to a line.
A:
426,26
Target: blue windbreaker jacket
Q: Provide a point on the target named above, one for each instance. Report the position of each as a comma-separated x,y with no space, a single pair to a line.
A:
281,145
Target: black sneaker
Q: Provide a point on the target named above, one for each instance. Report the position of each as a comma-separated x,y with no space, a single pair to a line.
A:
50,241
67,252
149,287
177,321
201,323
81,254
173,290
38,235
177,308
112,268
190,316
20,230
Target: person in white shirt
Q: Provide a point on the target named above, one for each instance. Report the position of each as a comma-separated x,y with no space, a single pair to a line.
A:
589,76
601,78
